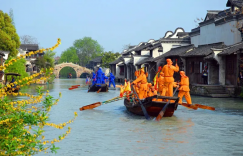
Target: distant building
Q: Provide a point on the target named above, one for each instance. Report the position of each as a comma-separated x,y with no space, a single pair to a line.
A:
30,60
56,59
94,63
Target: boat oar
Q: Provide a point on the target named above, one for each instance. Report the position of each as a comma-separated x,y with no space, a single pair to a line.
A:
189,106
193,106
162,112
76,86
99,90
204,107
97,104
143,108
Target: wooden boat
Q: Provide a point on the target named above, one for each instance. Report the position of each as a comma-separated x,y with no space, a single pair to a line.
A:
153,107
95,88
15,90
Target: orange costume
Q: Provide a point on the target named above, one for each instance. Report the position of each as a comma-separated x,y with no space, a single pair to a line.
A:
149,91
162,88
143,86
168,71
184,89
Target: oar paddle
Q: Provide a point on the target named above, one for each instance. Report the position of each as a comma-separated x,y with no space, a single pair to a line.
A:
76,86
189,106
97,104
195,106
99,90
162,112
143,108
204,107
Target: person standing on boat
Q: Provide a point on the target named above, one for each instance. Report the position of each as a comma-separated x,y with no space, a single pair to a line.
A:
104,78
168,71
143,87
99,76
184,89
112,80
162,88
93,79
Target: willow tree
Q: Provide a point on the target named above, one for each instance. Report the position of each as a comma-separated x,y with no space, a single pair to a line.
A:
9,40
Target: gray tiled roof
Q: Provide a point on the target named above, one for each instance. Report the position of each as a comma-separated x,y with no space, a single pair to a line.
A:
203,50
174,52
154,46
146,60
209,57
178,50
231,49
116,61
238,3
97,59
29,47
182,34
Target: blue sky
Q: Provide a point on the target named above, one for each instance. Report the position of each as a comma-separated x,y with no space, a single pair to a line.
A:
113,23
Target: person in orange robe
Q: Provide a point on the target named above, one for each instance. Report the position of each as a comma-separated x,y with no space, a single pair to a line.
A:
128,89
154,92
149,91
168,71
143,87
184,89
162,88
136,73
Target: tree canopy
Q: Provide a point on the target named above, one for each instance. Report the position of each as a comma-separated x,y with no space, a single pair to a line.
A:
69,55
16,67
9,40
87,49
47,60
108,57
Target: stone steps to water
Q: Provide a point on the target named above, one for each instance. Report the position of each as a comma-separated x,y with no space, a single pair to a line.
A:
217,91
219,95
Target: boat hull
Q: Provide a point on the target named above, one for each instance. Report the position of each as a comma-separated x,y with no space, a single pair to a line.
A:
95,88
153,108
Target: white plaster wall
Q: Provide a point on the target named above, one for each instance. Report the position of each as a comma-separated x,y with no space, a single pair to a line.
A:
223,33
151,41
175,35
168,34
6,54
126,60
207,34
156,53
145,52
195,40
137,58
166,47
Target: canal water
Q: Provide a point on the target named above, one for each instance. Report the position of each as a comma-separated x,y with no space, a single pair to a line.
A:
110,130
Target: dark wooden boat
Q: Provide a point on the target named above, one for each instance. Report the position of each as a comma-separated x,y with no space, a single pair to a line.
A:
95,88
153,107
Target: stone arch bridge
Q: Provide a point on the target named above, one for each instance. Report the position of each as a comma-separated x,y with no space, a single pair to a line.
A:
78,69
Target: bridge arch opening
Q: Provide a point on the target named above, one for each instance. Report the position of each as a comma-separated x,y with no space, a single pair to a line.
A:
67,72
78,69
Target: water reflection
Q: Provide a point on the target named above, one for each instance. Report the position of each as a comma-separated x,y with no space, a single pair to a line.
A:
111,130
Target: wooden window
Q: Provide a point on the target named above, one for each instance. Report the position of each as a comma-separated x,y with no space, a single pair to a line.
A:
191,67
196,67
230,66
